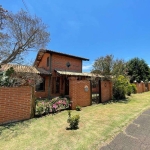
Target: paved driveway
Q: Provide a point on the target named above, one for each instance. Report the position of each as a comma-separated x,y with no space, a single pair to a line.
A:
135,137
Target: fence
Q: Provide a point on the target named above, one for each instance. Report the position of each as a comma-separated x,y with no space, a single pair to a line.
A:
142,87
15,104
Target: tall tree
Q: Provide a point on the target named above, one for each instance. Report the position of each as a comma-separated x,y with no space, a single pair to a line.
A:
3,16
119,68
103,65
138,70
107,66
22,32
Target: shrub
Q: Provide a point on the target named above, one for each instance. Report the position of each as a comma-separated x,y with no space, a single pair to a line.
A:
39,109
133,88
78,108
121,87
129,90
73,121
6,78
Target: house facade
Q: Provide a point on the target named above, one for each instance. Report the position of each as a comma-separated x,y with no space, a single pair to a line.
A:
59,68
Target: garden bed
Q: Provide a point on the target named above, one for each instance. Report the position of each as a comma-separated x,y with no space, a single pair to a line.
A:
45,106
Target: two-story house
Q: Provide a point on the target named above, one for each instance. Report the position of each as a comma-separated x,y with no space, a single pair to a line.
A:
59,67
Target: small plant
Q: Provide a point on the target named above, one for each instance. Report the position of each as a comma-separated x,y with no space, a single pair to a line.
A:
73,121
39,109
78,108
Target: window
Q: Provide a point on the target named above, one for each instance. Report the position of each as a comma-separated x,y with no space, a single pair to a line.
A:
41,86
47,61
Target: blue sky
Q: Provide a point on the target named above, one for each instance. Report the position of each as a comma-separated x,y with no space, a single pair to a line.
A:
93,28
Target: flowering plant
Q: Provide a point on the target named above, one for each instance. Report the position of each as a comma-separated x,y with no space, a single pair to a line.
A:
51,106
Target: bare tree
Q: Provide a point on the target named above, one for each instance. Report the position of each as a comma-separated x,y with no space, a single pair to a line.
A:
22,33
3,16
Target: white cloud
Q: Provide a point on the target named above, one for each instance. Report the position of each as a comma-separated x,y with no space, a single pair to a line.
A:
87,67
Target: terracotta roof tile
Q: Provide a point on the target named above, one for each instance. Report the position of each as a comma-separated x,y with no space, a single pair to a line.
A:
23,68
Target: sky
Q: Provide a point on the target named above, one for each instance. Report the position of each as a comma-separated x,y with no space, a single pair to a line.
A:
93,28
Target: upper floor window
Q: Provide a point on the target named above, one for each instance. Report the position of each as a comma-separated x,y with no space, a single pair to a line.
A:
47,61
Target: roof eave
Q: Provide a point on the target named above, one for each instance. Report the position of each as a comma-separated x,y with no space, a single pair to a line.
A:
50,51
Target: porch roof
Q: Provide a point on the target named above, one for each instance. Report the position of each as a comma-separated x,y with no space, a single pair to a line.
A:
23,68
77,73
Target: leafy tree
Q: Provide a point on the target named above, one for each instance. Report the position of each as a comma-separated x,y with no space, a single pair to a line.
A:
119,68
103,65
22,32
138,70
107,66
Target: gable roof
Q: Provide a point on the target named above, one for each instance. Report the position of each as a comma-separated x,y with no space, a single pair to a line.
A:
23,68
43,51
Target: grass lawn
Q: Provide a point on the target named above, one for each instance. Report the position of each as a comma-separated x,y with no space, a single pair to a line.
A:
98,124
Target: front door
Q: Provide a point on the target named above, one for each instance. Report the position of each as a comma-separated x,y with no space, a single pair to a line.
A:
66,86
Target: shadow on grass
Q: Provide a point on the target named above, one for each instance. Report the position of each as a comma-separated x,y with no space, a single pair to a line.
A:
124,101
13,129
68,128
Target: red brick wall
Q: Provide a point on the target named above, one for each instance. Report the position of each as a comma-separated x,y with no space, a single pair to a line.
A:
106,91
59,62
148,86
43,63
140,87
78,94
95,89
15,104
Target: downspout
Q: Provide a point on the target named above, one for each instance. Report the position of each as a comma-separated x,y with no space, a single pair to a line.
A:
50,71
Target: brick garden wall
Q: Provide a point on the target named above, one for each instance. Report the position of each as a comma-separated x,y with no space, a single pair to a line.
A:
106,91
148,87
140,87
78,94
15,104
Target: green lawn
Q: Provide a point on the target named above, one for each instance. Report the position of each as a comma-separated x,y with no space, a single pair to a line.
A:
98,124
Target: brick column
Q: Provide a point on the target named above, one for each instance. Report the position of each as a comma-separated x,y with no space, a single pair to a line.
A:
79,92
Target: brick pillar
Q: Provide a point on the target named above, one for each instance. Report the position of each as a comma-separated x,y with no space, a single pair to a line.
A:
148,86
143,86
79,92
106,91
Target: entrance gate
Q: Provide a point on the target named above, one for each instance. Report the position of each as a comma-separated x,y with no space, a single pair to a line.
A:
96,91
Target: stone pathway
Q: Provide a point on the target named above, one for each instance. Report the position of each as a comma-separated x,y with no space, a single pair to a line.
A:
135,137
